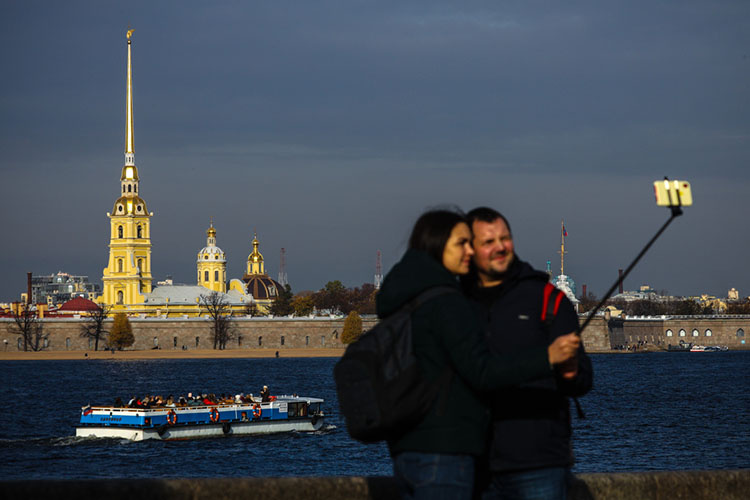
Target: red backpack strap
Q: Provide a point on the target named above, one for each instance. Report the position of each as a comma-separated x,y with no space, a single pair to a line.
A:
550,307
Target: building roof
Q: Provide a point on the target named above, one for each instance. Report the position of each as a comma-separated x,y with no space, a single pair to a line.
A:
261,287
79,304
188,294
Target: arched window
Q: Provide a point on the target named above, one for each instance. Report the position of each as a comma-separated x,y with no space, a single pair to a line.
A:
239,340
20,343
174,342
282,340
709,333
119,231
67,343
323,340
682,332
120,297
669,333
140,231
135,189
123,189
130,188
695,332
197,341
156,341
740,333
307,340
260,340
205,276
216,275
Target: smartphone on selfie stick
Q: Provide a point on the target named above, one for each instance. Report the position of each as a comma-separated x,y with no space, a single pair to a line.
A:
672,194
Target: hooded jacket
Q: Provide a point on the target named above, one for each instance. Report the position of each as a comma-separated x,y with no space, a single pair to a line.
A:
531,421
446,334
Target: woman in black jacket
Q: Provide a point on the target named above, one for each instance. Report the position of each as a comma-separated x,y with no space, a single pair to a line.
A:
436,458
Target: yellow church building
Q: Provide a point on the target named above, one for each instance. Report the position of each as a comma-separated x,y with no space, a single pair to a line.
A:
127,279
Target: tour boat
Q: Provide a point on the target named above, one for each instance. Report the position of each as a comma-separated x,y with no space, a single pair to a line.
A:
281,414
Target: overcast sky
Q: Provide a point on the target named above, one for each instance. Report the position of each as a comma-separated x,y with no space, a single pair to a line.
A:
329,126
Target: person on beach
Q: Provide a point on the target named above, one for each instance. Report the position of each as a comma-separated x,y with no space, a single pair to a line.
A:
530,453
436,459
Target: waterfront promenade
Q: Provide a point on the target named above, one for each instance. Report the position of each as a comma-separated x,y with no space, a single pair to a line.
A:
14,355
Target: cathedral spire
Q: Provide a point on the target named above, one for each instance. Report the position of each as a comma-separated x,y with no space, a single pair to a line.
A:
129,149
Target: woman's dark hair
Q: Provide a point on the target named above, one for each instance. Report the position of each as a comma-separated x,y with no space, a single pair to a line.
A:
432,230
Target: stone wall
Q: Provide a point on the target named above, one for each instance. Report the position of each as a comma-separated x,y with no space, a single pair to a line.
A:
285,333
195,333
695,485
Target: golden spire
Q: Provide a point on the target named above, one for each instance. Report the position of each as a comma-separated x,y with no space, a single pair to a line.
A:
562,252
129,148
211,231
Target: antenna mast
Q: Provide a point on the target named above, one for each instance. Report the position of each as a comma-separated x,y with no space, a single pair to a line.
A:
282,268
378,271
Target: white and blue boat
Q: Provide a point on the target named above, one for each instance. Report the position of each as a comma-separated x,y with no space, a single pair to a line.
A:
283,414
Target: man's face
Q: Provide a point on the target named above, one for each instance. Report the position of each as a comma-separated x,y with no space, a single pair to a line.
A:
493,250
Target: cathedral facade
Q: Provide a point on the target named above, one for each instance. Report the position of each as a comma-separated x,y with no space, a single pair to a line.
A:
127,279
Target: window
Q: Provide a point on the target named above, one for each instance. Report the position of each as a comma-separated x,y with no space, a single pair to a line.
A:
709,333
119,265
67,343
46,342
216,275
197,341
696,332
140,231
156,341
130,188
260,340
670,333
20,344
323,340
282,340
307,340
140,265
120,297
205,276
740,333
119,229
682,332
174,341
123,189
91,342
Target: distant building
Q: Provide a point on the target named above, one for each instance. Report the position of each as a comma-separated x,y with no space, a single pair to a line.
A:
645,292
61,287
733,294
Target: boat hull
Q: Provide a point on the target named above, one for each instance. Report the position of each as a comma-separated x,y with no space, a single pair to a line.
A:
283,414
169,433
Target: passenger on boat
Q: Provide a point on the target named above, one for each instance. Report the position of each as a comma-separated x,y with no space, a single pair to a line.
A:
118,403
265,394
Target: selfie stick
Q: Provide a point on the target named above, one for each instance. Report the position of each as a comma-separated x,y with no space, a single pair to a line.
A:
676,212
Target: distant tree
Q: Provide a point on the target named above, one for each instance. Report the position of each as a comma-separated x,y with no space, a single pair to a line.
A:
121,335
333,297
685,307
588,302
251,309
93,326
362,299
282,304
303,305
352,328
738,308
220,313
27,324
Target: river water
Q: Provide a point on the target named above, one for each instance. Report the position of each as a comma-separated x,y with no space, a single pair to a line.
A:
652,411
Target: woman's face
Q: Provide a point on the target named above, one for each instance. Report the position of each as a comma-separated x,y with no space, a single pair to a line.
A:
457,253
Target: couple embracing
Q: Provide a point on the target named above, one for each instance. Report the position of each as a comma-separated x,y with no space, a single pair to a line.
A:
501,426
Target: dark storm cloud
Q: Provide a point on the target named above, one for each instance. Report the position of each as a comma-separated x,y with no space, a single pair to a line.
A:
328,126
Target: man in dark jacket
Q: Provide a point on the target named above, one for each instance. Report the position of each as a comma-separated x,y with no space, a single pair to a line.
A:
530,453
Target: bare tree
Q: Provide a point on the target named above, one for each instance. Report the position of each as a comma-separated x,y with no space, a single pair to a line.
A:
28,326
93,327
220,313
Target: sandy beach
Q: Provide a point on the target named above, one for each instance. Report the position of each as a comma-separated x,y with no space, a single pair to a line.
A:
171,354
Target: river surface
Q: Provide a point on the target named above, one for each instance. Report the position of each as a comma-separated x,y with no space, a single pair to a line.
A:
651,411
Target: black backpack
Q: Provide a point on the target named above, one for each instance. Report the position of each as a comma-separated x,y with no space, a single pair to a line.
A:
380,389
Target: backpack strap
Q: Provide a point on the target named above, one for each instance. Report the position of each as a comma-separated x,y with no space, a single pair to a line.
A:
550,305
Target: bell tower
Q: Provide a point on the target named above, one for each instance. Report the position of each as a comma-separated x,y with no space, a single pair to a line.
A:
212,264
128,274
